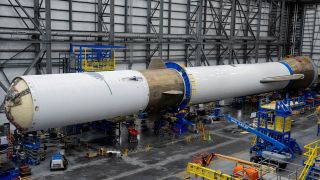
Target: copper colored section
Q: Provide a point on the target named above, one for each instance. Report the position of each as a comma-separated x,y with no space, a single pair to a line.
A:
156,64
302,65
161,81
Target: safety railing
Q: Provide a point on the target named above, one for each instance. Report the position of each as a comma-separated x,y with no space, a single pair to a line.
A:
207,173
104,64
312,153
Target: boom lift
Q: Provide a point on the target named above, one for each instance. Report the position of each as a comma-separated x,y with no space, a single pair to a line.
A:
271,149
273,140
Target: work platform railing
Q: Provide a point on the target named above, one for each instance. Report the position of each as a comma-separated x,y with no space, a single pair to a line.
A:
312,154
208,173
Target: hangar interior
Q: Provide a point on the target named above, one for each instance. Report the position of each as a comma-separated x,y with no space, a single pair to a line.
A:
213,89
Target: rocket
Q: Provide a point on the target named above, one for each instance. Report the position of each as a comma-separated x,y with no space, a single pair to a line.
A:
36,102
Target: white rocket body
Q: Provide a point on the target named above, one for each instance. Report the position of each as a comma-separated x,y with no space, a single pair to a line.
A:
221,82
64,99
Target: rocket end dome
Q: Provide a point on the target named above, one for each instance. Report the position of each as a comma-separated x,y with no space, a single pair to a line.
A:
19,104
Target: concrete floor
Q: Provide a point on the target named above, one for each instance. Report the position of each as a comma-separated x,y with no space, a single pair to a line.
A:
167,159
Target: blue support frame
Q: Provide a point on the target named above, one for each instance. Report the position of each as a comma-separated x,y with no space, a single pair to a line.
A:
181,124
282,109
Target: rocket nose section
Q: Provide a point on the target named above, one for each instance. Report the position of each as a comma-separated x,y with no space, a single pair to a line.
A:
19,105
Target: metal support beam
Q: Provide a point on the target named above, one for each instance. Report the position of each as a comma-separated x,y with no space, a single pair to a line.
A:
161,29
70,17
281,30
35,61
204,29
232,29
3,87
111,32
48,37
186,46
100,19
148,46
246,33
5,76
36,9
128,29
169,26
198,53
15,55
28,15
269,33
15,9
219,33
258,32
225,26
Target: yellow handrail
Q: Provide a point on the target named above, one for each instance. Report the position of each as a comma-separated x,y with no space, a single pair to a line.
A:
254,140
312,153
207,173
114,59
93,65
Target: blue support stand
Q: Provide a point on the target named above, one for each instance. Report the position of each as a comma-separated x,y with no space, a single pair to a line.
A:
181,124
276,129
31,145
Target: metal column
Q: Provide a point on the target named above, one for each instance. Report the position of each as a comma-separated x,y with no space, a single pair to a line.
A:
232,30
160,38
70,17
257,42
198,47
281,41
148,46
186,46
169,27
111,31
246,33
48,37
100,18
36,9
128,29
219,33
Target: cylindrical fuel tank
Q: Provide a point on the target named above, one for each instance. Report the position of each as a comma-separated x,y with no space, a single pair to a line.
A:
220,82
38,102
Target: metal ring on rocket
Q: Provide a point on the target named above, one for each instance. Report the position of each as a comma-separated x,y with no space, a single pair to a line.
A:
187,95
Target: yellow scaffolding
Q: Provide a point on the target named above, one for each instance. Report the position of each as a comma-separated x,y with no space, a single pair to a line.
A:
105,64
207,173
312,154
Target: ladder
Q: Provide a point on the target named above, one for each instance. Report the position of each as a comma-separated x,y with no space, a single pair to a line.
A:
311,169
309,30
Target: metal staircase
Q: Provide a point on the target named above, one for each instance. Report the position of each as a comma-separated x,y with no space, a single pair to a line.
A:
314,172
309,28
311,170
295,29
